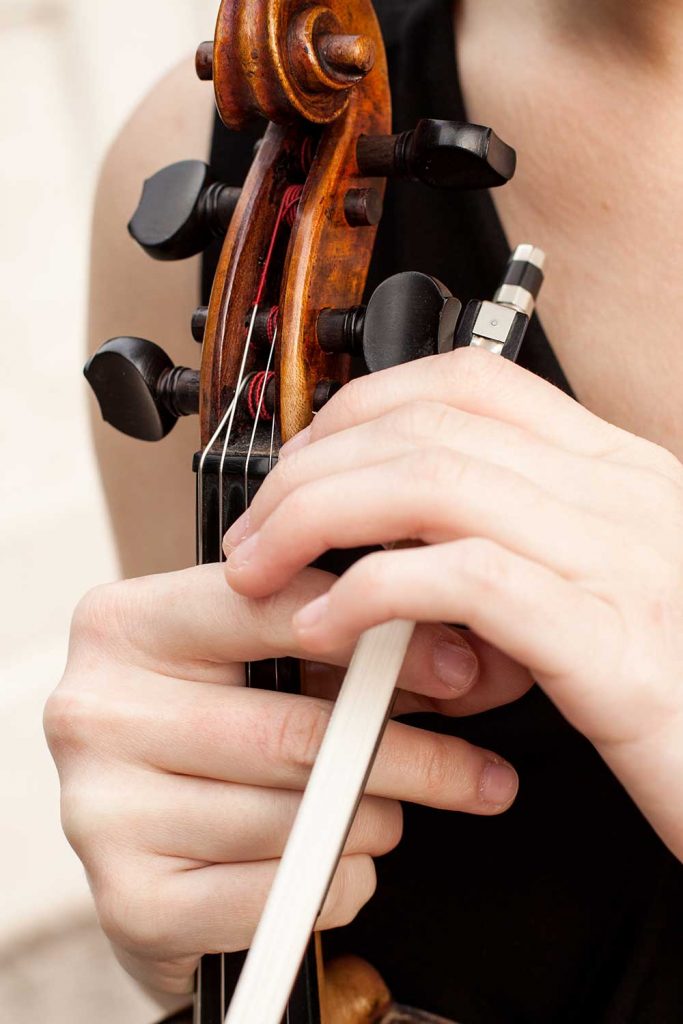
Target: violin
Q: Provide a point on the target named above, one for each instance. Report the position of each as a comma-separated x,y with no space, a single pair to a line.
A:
287,325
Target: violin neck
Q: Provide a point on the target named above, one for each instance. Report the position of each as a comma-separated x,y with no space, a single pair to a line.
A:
224,490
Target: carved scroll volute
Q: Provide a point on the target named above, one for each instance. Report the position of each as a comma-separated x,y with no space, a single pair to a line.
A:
283,59
299,64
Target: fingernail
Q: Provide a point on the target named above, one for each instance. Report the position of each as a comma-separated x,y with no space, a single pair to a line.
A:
499,783
298,441
455,665
244,553
313,613
237,532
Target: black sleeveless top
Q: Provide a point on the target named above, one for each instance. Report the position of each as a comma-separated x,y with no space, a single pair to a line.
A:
568,908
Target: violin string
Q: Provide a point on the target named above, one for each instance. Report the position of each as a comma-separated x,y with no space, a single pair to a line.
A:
241,382
247,463
247,502
200,481
230,419
199,1006
258,410
227,419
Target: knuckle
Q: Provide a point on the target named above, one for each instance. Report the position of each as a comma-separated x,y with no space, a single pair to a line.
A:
473,369
370,575
298,733
98,613
284,479
434,768
481,563
175,977
351,402
353,885
298,507
135,916
58,720
392,828
71,719
378,827
81,819
422,420
97,817
438,467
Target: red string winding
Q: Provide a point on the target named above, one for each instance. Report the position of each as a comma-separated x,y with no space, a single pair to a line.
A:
256,389
256,395
286,213
271,323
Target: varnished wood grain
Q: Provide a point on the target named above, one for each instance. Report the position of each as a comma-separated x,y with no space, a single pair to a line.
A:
327,260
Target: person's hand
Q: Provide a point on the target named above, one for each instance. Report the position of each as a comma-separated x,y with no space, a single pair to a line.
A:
555,536
179,786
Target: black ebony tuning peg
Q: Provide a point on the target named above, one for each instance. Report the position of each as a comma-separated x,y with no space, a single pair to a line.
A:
199,321
444,154
182,209
139,390
409,316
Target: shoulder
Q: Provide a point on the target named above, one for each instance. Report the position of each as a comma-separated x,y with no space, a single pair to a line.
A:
134,295
172,120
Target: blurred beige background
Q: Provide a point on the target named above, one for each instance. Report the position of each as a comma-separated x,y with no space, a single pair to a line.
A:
70,73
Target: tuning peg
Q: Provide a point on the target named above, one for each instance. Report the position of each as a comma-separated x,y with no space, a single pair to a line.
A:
139,390
409,316
200,318
182,209
443,154
203,61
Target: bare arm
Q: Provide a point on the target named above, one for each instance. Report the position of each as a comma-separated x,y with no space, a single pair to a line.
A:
148,487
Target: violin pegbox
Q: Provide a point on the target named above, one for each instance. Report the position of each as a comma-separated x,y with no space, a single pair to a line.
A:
318,73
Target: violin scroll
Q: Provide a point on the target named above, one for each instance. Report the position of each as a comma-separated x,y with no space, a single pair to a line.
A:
284,59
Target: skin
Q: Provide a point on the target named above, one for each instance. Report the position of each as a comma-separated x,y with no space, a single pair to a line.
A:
179,785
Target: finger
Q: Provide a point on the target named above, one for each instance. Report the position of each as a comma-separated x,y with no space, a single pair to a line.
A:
501,680
417,427
558,630
477,382
204,821
272,739
614,491
190,625
440,665
216,908
434,497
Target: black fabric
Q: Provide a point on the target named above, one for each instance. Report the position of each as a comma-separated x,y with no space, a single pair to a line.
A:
568,908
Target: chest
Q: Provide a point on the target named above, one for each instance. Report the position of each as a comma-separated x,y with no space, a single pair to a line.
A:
600,187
